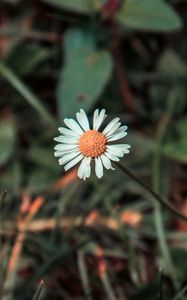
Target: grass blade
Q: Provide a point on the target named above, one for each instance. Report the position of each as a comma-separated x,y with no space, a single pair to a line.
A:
38,291
180,295
27,94
84,275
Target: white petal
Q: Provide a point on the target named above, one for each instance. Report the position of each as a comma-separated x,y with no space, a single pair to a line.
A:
73,162
84,168
88,167
122,128
81,168
99,119
106,162
87,171
111,156
113,129
59,153
98,167
110,125
123,147
63,160
74,126
64,147
115,151
68,132
83,120
67,139
63,152
95,117
116,136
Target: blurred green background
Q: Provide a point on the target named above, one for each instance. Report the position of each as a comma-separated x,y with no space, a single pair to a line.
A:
99,239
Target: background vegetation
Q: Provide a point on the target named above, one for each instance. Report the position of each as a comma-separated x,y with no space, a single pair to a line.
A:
62,238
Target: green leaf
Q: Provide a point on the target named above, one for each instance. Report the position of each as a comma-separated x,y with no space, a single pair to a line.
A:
27,94
176,147
81,6
25,58
154,15
7,139
77,43
84,75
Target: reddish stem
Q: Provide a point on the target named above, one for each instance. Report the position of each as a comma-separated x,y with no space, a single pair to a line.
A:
123,84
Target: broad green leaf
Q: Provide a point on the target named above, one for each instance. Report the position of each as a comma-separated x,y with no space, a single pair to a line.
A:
7,140
155,15
176,147
84,75
78,43
82,6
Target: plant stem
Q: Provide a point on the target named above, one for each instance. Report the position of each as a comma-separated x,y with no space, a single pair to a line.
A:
84,275
181,293
107,287
38,291
159,223
155,196
160,293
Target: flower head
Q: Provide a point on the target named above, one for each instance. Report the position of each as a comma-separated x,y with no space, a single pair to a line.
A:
79,142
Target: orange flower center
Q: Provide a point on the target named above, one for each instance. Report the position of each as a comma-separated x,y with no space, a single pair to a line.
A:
92,143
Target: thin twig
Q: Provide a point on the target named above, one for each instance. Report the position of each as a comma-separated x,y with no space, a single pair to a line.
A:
67,222
13,264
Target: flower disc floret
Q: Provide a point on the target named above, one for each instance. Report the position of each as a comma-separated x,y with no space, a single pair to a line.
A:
92,143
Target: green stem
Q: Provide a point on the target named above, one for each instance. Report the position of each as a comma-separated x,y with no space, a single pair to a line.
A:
107,287
160,292
84,275
38,291
155,196
27,94
159,224
181,293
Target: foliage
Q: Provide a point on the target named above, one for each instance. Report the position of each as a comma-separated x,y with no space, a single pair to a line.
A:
99,239
148,15
84,64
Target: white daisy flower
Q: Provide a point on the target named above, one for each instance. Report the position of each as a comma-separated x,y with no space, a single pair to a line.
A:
80,143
